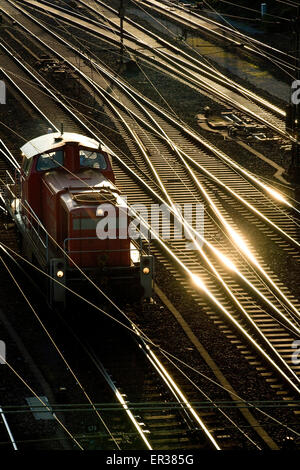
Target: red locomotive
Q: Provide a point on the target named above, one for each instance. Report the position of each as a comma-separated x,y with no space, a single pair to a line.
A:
65,180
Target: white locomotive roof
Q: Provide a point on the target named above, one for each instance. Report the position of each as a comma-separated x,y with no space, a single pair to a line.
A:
47,142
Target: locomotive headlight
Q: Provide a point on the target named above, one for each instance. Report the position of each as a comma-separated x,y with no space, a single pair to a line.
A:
146,271
60,273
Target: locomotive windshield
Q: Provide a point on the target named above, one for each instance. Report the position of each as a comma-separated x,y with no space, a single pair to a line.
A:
92,159
47,161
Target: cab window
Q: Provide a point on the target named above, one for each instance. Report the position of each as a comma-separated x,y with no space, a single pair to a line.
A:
92,159
50,160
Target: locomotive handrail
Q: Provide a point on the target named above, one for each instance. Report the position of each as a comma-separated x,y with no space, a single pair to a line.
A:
40,225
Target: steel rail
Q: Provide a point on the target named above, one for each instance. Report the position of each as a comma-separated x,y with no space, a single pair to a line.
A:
9,432
124,403
193,61
95,136
271,51
203,18
7,75
250,177
183,404
175,390
173,147
9,156
137,98
269,190
176,69
226,226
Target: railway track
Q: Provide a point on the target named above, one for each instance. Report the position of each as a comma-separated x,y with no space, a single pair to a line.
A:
5,430
174,428
109,431
132,191
221,32
144,45
157,403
